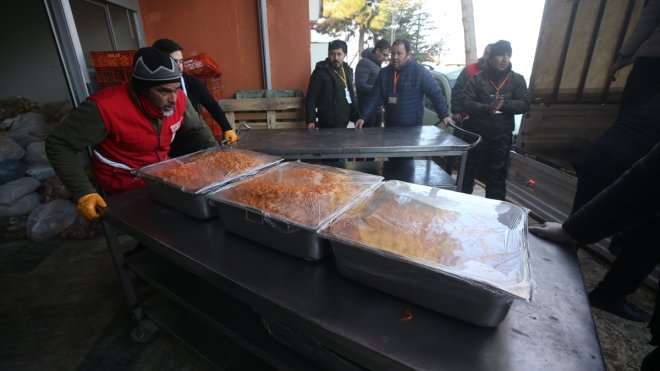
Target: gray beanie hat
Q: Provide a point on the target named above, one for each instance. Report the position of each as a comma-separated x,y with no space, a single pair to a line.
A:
153,67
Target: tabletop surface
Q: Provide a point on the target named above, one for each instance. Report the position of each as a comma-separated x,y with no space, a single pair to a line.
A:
554,330
392,140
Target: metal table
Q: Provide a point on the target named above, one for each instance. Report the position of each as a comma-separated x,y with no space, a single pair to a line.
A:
424,172
234,286
304,144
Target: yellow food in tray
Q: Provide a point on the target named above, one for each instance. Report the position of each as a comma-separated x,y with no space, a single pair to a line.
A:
302,193
206,168
442,230
422,237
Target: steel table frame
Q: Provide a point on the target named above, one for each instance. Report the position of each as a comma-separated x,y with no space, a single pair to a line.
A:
362,325
304,144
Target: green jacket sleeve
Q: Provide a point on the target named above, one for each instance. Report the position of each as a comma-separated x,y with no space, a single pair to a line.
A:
196,128
81,128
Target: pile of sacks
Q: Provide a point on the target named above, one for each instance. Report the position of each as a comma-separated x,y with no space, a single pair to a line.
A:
33,201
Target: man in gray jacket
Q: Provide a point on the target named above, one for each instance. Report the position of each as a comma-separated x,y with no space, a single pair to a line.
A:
365,75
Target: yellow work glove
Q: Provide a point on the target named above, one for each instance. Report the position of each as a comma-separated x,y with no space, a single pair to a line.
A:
231,136
91,206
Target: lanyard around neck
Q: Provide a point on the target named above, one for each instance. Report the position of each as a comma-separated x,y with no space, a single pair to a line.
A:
499,87
396,79
342,75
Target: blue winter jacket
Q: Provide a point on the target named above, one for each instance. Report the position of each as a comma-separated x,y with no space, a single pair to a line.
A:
413,83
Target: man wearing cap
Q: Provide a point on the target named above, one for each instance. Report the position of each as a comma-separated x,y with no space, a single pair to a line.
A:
330,100
492,98
366,72
401,87
127,126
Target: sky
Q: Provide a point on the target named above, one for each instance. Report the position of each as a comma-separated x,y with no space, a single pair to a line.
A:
517,21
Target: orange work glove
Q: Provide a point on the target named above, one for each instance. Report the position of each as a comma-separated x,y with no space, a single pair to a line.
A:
91,206
231,135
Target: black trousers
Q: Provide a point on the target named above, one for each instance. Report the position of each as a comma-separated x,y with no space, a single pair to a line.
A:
634,133
488,161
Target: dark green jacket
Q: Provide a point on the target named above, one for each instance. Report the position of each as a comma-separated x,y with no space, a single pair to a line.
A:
84,127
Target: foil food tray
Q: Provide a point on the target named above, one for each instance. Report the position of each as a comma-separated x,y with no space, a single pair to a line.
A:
460,255
284,206
183,182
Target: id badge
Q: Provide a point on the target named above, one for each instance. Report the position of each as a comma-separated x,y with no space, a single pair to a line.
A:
391,100
348,96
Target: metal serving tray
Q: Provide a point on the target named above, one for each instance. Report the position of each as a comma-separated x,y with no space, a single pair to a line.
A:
471,260
284,206
279,235
187,194
194,205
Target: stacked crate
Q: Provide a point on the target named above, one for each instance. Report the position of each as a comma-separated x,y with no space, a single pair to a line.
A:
205,69
112,67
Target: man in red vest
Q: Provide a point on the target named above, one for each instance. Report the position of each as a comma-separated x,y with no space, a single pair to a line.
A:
470,70
127,126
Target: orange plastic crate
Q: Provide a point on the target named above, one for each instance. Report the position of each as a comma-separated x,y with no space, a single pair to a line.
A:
113,75
201,65
214,86
113,58
210,122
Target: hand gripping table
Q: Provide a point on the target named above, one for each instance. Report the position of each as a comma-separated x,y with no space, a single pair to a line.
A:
390,142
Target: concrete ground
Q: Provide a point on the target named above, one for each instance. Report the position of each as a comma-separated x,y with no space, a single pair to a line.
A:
62,308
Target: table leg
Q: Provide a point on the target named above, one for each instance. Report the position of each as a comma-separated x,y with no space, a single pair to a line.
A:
111,236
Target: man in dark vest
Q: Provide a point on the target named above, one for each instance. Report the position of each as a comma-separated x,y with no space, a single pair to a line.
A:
330,100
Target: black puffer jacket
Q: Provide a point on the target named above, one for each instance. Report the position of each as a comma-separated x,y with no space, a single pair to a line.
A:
321,99
477,99
365,74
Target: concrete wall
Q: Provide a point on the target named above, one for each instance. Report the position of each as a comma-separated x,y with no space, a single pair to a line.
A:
228,31
30,64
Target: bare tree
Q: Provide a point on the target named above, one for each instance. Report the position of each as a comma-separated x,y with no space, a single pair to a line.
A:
468,31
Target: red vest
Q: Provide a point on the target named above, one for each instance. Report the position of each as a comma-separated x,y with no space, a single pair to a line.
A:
132,140
472,69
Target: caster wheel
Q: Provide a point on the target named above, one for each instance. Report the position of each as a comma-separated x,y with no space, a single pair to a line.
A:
144,333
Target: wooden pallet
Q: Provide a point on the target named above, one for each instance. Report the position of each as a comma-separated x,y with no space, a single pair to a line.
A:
265,113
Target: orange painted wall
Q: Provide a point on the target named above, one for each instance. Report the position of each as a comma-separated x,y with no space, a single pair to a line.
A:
228,31
289,40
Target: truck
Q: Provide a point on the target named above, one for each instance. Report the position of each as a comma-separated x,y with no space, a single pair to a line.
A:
574,101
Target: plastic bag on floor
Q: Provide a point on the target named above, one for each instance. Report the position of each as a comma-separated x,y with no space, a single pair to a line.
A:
48,220
27,128
36,154
11,169
22,206
10,150
41,172
12,191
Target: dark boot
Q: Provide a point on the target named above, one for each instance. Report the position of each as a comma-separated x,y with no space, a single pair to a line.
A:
620,307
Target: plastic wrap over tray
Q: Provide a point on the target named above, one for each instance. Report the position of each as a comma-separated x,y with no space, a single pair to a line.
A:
462,255
284,206
182,182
